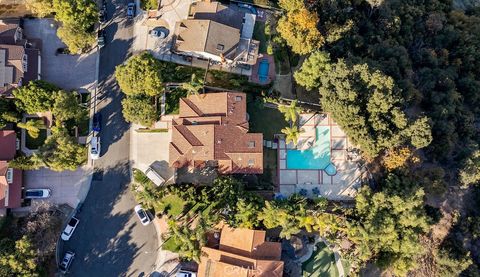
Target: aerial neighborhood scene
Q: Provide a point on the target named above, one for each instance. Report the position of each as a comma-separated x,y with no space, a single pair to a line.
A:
239,138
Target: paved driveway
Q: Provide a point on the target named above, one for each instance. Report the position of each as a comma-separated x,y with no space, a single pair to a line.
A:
66,71
68,187
110,241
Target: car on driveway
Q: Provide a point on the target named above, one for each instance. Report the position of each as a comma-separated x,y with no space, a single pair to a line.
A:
185,273
159,32
71,226
66,262
97,122
95,148
101,38
37,193
142,215
131,10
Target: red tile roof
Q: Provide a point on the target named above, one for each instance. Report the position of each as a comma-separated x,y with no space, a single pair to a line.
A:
8,140
10,193
242,252
214,127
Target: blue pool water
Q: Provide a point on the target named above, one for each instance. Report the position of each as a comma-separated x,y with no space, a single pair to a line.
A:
263,70
317,157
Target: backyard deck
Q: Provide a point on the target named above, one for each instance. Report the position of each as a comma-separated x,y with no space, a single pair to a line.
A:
341,185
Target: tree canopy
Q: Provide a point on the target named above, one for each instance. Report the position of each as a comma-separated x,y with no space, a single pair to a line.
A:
40,8
298,27
67,106
367,105
36,96
141,74
139,109
388,224
61,151
309,74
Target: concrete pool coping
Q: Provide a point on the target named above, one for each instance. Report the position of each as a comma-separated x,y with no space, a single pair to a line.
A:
340,186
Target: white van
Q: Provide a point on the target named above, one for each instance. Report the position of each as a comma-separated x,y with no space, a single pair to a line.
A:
154,177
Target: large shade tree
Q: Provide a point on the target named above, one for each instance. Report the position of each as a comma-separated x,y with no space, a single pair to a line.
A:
141,74
36,96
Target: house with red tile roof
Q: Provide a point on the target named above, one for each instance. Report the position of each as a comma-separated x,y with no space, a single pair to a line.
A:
19,58
213,129
10,178
242,253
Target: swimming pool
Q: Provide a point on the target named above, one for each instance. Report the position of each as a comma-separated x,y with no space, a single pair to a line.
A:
317,157
263,70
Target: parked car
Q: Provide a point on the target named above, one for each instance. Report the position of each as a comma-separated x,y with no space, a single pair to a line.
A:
101,38
95,148
186,273
70,228
142,215
97,122
66,261
37,193
159,32
131,8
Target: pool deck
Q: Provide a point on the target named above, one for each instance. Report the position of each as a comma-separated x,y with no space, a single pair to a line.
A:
341,186
271,70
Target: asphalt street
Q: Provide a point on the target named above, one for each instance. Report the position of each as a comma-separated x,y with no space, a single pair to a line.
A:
109,240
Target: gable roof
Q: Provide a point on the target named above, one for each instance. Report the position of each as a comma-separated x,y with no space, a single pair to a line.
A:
242,252
8,142
214,126
198,35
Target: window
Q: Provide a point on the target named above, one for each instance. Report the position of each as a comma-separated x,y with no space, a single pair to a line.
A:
251,162
10,175
238,98
220,47
251,144
25,63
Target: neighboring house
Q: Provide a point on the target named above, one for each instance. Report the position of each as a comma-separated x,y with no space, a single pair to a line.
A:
217,32
19,58
10,179
212,129
242,252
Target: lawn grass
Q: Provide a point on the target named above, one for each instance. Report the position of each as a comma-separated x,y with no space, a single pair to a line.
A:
171,244
265,120
259,34
173,205
322,263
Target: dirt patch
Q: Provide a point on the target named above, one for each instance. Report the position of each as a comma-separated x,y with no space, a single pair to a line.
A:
11,9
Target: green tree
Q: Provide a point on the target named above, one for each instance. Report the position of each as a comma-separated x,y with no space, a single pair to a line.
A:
36,96
8,112
194,86
141,74
139,109
67,106
309,74
470,172
291,134
420,133
78,14
21,261
40,8
32,162
298,27
274,215
61,151
290,112
389,224
32,127
246,214
366,104
76,40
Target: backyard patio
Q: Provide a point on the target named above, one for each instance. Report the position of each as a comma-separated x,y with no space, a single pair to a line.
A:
321,164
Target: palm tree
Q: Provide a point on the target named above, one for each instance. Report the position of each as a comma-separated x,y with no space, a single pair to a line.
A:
290,112
292,134
194,86
32,126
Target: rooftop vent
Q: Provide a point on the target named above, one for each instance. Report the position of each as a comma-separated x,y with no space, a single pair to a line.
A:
220,47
